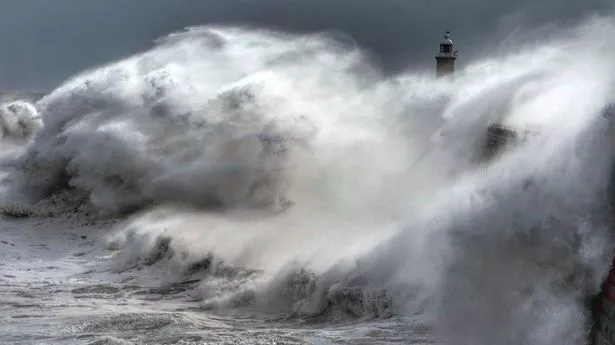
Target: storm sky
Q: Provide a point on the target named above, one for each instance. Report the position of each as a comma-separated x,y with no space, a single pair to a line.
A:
45,41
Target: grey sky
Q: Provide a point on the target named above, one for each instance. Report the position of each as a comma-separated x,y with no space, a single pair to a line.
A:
45,41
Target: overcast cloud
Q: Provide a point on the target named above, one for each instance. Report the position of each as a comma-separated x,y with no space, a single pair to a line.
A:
45,41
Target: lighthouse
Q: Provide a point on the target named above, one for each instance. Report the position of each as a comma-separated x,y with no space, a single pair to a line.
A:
445,60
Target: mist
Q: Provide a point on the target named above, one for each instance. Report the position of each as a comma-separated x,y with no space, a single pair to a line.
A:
46,42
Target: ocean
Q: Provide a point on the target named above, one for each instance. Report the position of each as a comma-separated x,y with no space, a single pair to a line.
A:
247,186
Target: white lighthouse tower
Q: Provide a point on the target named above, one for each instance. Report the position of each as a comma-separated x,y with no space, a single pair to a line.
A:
445,60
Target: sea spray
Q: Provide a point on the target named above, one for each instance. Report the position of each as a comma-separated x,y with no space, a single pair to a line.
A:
285,173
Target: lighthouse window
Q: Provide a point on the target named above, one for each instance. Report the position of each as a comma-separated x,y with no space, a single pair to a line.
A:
445,48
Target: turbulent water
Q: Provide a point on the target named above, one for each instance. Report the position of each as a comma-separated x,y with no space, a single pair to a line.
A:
240,186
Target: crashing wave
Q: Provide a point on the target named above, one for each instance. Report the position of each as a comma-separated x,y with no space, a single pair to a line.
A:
151,130
19,120
391,213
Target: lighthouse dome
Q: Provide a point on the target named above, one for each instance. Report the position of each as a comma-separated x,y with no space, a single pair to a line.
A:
446,40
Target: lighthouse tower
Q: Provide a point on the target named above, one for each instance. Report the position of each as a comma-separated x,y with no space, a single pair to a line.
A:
445,60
